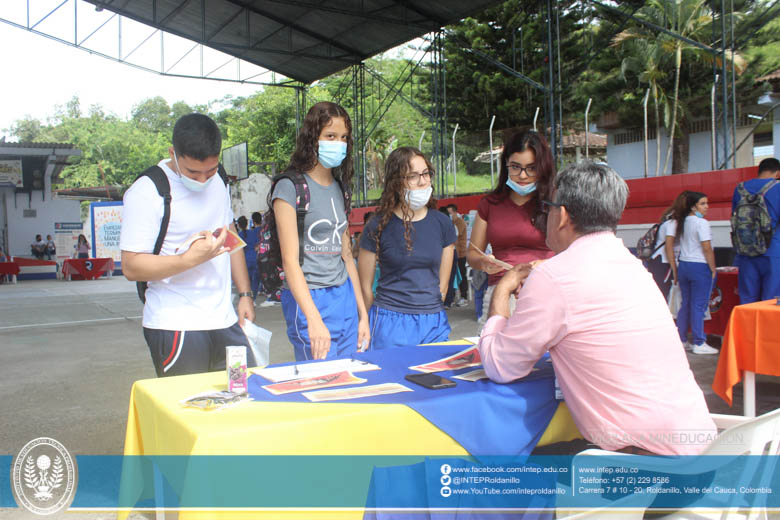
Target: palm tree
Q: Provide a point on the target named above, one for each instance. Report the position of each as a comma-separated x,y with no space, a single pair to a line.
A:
691,19
645,60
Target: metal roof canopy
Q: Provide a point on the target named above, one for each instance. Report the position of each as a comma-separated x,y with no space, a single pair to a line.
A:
303,40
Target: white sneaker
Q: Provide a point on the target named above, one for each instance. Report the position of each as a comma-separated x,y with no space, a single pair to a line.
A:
704,349
688,345
269,303
462,303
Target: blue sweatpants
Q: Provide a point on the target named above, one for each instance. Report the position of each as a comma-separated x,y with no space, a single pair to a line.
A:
696,284
759,278
338,309
399,329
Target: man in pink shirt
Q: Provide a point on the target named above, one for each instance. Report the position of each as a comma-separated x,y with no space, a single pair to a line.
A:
613,344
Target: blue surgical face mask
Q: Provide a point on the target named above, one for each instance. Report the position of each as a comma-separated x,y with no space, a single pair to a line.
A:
190,184
526,189
698,214
332,153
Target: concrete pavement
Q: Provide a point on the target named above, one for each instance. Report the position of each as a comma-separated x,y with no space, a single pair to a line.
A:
70,352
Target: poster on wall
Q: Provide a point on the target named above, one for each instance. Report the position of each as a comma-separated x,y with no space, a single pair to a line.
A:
66,236
11,173
106,221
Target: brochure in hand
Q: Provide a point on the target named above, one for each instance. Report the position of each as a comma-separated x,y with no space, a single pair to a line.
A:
233,242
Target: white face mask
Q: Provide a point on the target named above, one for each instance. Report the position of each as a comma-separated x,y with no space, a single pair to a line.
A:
190,184
418,198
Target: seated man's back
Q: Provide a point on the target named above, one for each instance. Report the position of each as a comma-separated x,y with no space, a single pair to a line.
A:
614,346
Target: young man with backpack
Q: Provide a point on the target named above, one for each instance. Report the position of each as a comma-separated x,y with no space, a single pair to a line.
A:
188,313
755,212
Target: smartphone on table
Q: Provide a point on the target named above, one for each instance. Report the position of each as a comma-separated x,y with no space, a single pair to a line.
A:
432,381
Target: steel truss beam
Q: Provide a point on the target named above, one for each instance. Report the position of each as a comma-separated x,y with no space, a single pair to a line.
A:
116,54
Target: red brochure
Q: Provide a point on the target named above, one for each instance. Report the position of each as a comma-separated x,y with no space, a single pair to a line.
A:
463,359
314,383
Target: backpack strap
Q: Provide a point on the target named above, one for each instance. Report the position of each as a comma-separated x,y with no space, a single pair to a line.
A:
222,174
347,198
302,199
768,186
160,180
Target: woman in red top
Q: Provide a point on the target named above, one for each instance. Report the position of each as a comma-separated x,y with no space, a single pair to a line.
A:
510,217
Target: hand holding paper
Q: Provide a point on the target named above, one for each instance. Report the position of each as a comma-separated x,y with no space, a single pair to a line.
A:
495,262
224,237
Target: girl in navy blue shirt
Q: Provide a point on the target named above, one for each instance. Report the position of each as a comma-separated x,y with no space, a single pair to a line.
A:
413,245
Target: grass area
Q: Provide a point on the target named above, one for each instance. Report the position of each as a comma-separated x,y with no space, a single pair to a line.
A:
466,184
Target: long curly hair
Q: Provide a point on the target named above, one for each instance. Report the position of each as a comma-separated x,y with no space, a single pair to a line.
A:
397,167
545,172
682,211
305,156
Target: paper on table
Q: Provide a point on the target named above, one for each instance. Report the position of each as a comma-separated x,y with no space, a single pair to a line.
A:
474,375
214,400
472,339
463,359
314,383
305,370
355,393
233,242
259,342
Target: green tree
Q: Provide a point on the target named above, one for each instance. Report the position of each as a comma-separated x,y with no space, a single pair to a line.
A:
645,60
121,148
266,121
27,130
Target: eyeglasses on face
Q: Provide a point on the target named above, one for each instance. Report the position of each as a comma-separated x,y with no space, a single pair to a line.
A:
516,169
414,178
547,204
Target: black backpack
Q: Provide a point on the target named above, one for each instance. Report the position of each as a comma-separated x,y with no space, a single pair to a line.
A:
269,254
160,181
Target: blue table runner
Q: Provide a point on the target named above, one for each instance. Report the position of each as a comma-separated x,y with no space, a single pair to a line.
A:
484,417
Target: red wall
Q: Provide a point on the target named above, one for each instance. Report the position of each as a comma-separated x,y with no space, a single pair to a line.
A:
647,199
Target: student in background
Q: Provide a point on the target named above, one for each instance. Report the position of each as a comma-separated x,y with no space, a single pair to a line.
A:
461,249
658,265
695,271
81,248
449,297
250,255
51,247
253,236
759,276
414,246
38,247
321,299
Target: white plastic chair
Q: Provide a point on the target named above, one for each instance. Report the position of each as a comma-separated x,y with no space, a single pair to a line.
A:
741,436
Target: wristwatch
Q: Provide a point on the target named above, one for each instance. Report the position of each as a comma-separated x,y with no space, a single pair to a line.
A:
247,294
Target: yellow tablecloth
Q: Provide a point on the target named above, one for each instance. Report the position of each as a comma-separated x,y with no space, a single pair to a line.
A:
158,425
